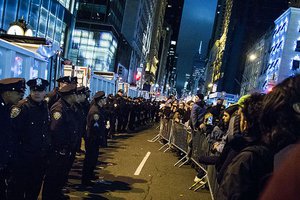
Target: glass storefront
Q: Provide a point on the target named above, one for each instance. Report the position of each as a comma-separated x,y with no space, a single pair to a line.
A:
94,49
46,17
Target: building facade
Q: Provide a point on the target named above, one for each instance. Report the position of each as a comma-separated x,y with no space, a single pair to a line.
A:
50,19
157,42
137,29
244,22
97,34
256,63
173,16
284,59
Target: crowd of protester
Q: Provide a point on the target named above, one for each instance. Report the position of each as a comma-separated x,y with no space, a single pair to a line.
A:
42,134
248,141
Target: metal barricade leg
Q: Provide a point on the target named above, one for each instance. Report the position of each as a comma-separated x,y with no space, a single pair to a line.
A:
187,160
202,183
179,161
155,138
163,146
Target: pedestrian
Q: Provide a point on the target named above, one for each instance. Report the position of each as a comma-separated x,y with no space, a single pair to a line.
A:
64,132
97,123
11,91
30,120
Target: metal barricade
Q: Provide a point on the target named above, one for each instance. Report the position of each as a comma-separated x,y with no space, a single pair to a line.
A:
179,137
193,143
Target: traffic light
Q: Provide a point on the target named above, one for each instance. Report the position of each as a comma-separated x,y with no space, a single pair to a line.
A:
138,76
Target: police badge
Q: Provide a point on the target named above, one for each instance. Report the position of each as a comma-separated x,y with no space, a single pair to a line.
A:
38,82
56,115
96,117
15,111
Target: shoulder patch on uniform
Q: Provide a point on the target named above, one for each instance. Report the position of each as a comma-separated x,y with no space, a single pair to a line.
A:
56,115
96,117
15,111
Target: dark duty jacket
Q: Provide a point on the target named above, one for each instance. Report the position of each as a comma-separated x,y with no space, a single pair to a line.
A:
64,128
30,122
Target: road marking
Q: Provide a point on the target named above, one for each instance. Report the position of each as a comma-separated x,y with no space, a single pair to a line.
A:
140,167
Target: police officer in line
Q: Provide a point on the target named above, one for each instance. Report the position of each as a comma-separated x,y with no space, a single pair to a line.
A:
121,113
97,123
53,96
64,132
111,107
30,119
11,91
81,113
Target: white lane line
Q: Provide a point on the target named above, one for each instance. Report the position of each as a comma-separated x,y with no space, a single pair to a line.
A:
140,167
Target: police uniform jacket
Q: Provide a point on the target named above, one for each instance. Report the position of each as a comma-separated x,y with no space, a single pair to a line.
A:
64,127
52,97
30,124
96,121
6,139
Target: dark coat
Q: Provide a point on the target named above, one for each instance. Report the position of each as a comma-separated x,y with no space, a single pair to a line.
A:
96,121
52,97
64,128
7,142
197,114
30,122
246,175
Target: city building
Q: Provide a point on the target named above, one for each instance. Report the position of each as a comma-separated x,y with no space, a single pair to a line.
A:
137,29
157,42
167,76
97,34
198,74
31,25
244,22
50,19
284,59
256,63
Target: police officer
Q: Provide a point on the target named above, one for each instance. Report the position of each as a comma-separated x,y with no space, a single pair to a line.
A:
64,132
53,96
120,110
30,119
97,123
82,108
111,107
11,91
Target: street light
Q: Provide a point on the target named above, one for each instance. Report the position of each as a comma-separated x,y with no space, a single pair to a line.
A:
252,57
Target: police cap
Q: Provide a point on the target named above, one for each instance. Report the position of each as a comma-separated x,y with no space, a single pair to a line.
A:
64,79
67,90
99,95
37,84
121,91
12,84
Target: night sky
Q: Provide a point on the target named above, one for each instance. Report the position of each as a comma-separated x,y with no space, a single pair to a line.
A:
196,25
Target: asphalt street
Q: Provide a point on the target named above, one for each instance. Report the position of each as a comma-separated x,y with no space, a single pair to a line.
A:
157,179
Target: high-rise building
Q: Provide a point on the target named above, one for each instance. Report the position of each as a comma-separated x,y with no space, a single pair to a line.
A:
50,19
198,74
97,34
137,29
168,74
244,22
157,43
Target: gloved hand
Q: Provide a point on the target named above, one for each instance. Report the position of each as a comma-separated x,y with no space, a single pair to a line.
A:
107,126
